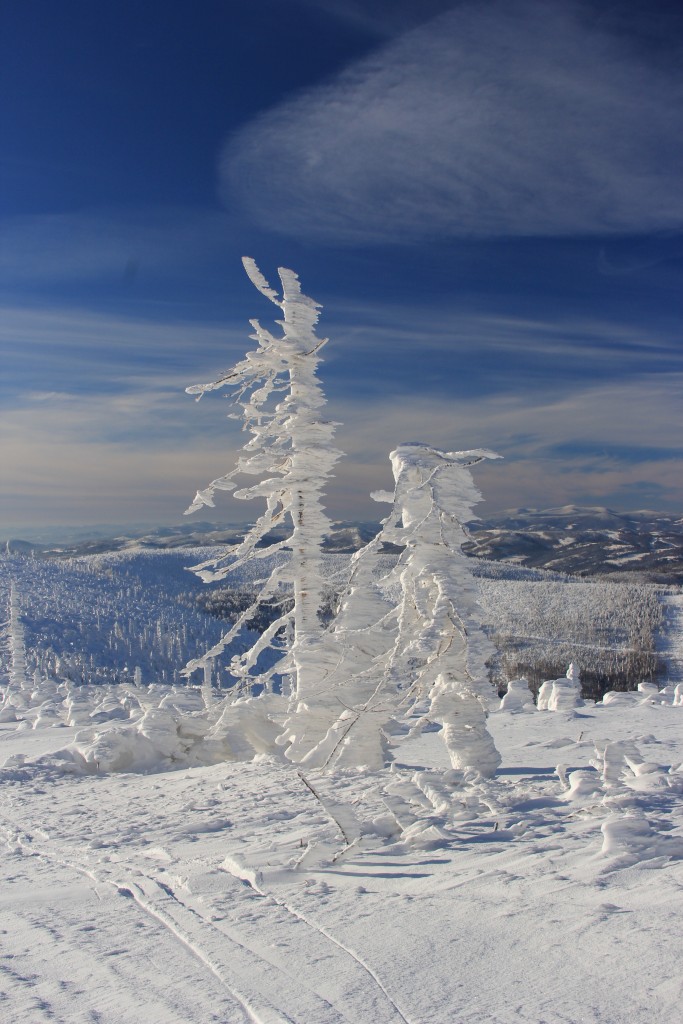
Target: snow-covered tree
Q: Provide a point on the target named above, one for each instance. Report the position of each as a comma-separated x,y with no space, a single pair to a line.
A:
400,646
410,642
19,686
291,451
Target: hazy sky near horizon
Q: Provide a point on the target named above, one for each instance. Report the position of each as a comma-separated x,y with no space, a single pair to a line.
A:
485,196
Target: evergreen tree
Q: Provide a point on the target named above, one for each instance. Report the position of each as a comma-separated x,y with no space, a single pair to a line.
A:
291,450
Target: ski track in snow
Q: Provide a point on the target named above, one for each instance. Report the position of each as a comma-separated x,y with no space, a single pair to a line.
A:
171,897
249,981
322,933
82,953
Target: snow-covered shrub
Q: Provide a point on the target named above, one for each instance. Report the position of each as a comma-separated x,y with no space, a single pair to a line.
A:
566,692
517,697
562,694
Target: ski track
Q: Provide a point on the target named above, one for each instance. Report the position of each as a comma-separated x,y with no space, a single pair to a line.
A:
228,1005
325,934
115,968
275,997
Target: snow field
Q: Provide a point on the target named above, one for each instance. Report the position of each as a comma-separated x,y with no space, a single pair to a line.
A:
232,892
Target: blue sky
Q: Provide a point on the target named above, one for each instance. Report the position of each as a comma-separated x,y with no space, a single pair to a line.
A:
486,197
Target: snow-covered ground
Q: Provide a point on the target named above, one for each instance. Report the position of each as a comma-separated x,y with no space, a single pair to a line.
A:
551,893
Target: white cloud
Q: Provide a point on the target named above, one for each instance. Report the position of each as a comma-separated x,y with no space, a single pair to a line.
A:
71,350
102,431
643,412
118,458
505,117
624,417
95,424
69,459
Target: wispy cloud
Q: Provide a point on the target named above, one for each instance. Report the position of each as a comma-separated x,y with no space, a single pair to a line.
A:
141,457
599,444
499,118
95,425
76,351
379,17
626,415
135,454
52,352
57,477
575,342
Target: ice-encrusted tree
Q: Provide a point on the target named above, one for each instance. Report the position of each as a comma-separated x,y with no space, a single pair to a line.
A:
400,646
19,684
291,452
410,642
441,648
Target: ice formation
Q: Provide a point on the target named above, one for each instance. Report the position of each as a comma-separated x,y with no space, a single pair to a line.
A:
346,681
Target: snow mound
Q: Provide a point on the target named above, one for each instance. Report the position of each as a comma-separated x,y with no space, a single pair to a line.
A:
623,697
171,736
632,839
561,694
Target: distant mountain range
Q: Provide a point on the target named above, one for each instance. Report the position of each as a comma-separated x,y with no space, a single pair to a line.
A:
584,541
572,539
345,537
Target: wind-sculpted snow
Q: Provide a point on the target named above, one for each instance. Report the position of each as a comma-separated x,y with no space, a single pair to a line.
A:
259,892
429,650
407,648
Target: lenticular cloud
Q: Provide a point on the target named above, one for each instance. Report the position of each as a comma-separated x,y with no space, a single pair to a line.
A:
500,118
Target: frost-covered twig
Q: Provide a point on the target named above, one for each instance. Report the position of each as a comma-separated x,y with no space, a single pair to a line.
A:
326,808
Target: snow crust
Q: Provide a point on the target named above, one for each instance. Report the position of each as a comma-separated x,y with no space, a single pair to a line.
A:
260,892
